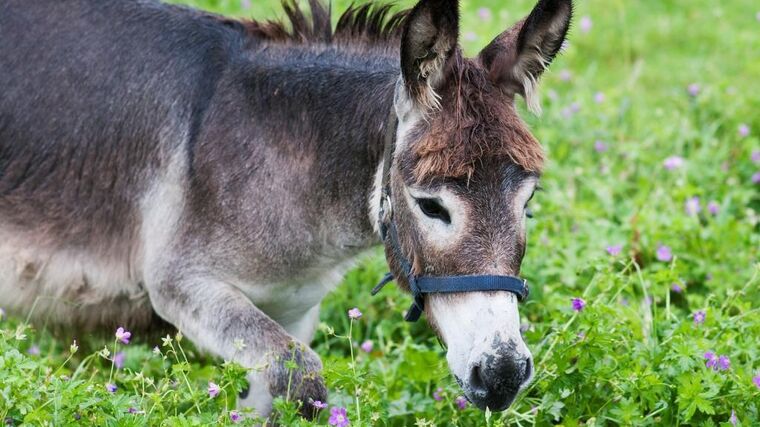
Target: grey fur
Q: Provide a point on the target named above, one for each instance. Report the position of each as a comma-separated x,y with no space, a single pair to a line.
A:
156,160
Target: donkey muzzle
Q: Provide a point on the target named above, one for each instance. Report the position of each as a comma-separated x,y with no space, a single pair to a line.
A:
496,378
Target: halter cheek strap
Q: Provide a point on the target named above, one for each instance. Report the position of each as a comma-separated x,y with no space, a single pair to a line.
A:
421,285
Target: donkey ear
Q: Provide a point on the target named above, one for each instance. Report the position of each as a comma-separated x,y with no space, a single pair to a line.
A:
428,40
516,58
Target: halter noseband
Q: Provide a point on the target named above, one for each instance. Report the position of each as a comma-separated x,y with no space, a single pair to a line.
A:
421,285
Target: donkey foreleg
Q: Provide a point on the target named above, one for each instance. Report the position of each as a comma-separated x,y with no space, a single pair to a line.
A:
219,318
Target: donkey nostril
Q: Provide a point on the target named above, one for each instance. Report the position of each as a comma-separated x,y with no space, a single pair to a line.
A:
476,380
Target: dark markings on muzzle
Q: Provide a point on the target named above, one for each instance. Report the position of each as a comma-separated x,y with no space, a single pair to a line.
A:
421,285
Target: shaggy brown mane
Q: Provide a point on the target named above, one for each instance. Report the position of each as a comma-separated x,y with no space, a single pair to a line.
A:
368,23
476,122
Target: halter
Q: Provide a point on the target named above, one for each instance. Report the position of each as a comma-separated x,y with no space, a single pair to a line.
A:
421,285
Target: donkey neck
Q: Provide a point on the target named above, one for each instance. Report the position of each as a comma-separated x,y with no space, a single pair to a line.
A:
333,105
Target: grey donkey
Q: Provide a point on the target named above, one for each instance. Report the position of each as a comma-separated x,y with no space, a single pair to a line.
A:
161,164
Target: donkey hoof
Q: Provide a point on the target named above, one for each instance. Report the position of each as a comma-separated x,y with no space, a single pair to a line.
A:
296,373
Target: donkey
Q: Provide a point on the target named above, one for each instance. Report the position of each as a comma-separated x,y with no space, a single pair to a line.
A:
158,163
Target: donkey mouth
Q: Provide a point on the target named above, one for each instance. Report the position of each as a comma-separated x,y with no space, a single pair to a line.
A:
483,398
493,403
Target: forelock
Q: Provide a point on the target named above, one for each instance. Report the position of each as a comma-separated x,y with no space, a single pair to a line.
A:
476,122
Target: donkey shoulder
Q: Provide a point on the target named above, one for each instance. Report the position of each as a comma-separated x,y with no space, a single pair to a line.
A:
99,99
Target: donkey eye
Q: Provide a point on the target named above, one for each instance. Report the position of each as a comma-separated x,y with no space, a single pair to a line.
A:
433,209
529,211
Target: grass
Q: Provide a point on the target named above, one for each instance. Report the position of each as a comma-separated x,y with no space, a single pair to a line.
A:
633,356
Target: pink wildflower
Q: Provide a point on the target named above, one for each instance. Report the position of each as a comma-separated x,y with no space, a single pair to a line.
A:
461,402
123,335
586,24
338,417
213,389
699,317
664,253
673,162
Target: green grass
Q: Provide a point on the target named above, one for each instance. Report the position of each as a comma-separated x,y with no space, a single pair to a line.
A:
633,356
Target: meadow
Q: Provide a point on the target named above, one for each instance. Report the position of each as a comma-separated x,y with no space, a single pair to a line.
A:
642,255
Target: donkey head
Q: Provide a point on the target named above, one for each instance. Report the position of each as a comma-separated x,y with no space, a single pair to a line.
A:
464,168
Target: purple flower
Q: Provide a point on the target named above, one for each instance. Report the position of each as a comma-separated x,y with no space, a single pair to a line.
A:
743,130
756,178
599,97
664,253
693,89
461,402
614,250
673,162
235,417
245,4
132,410
713,207
624,302
717,362
586,24
484,13
756,381
2,314
565,75
338,417
213,389
755,159
699,317
118,359
437,394
354,313
724,363
600,146
710,359
367,346
34,350
733,420
111,388
470,36
692,206
319,404
578,304
123,335
676,288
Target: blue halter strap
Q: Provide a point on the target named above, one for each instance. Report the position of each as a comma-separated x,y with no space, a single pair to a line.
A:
421,285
